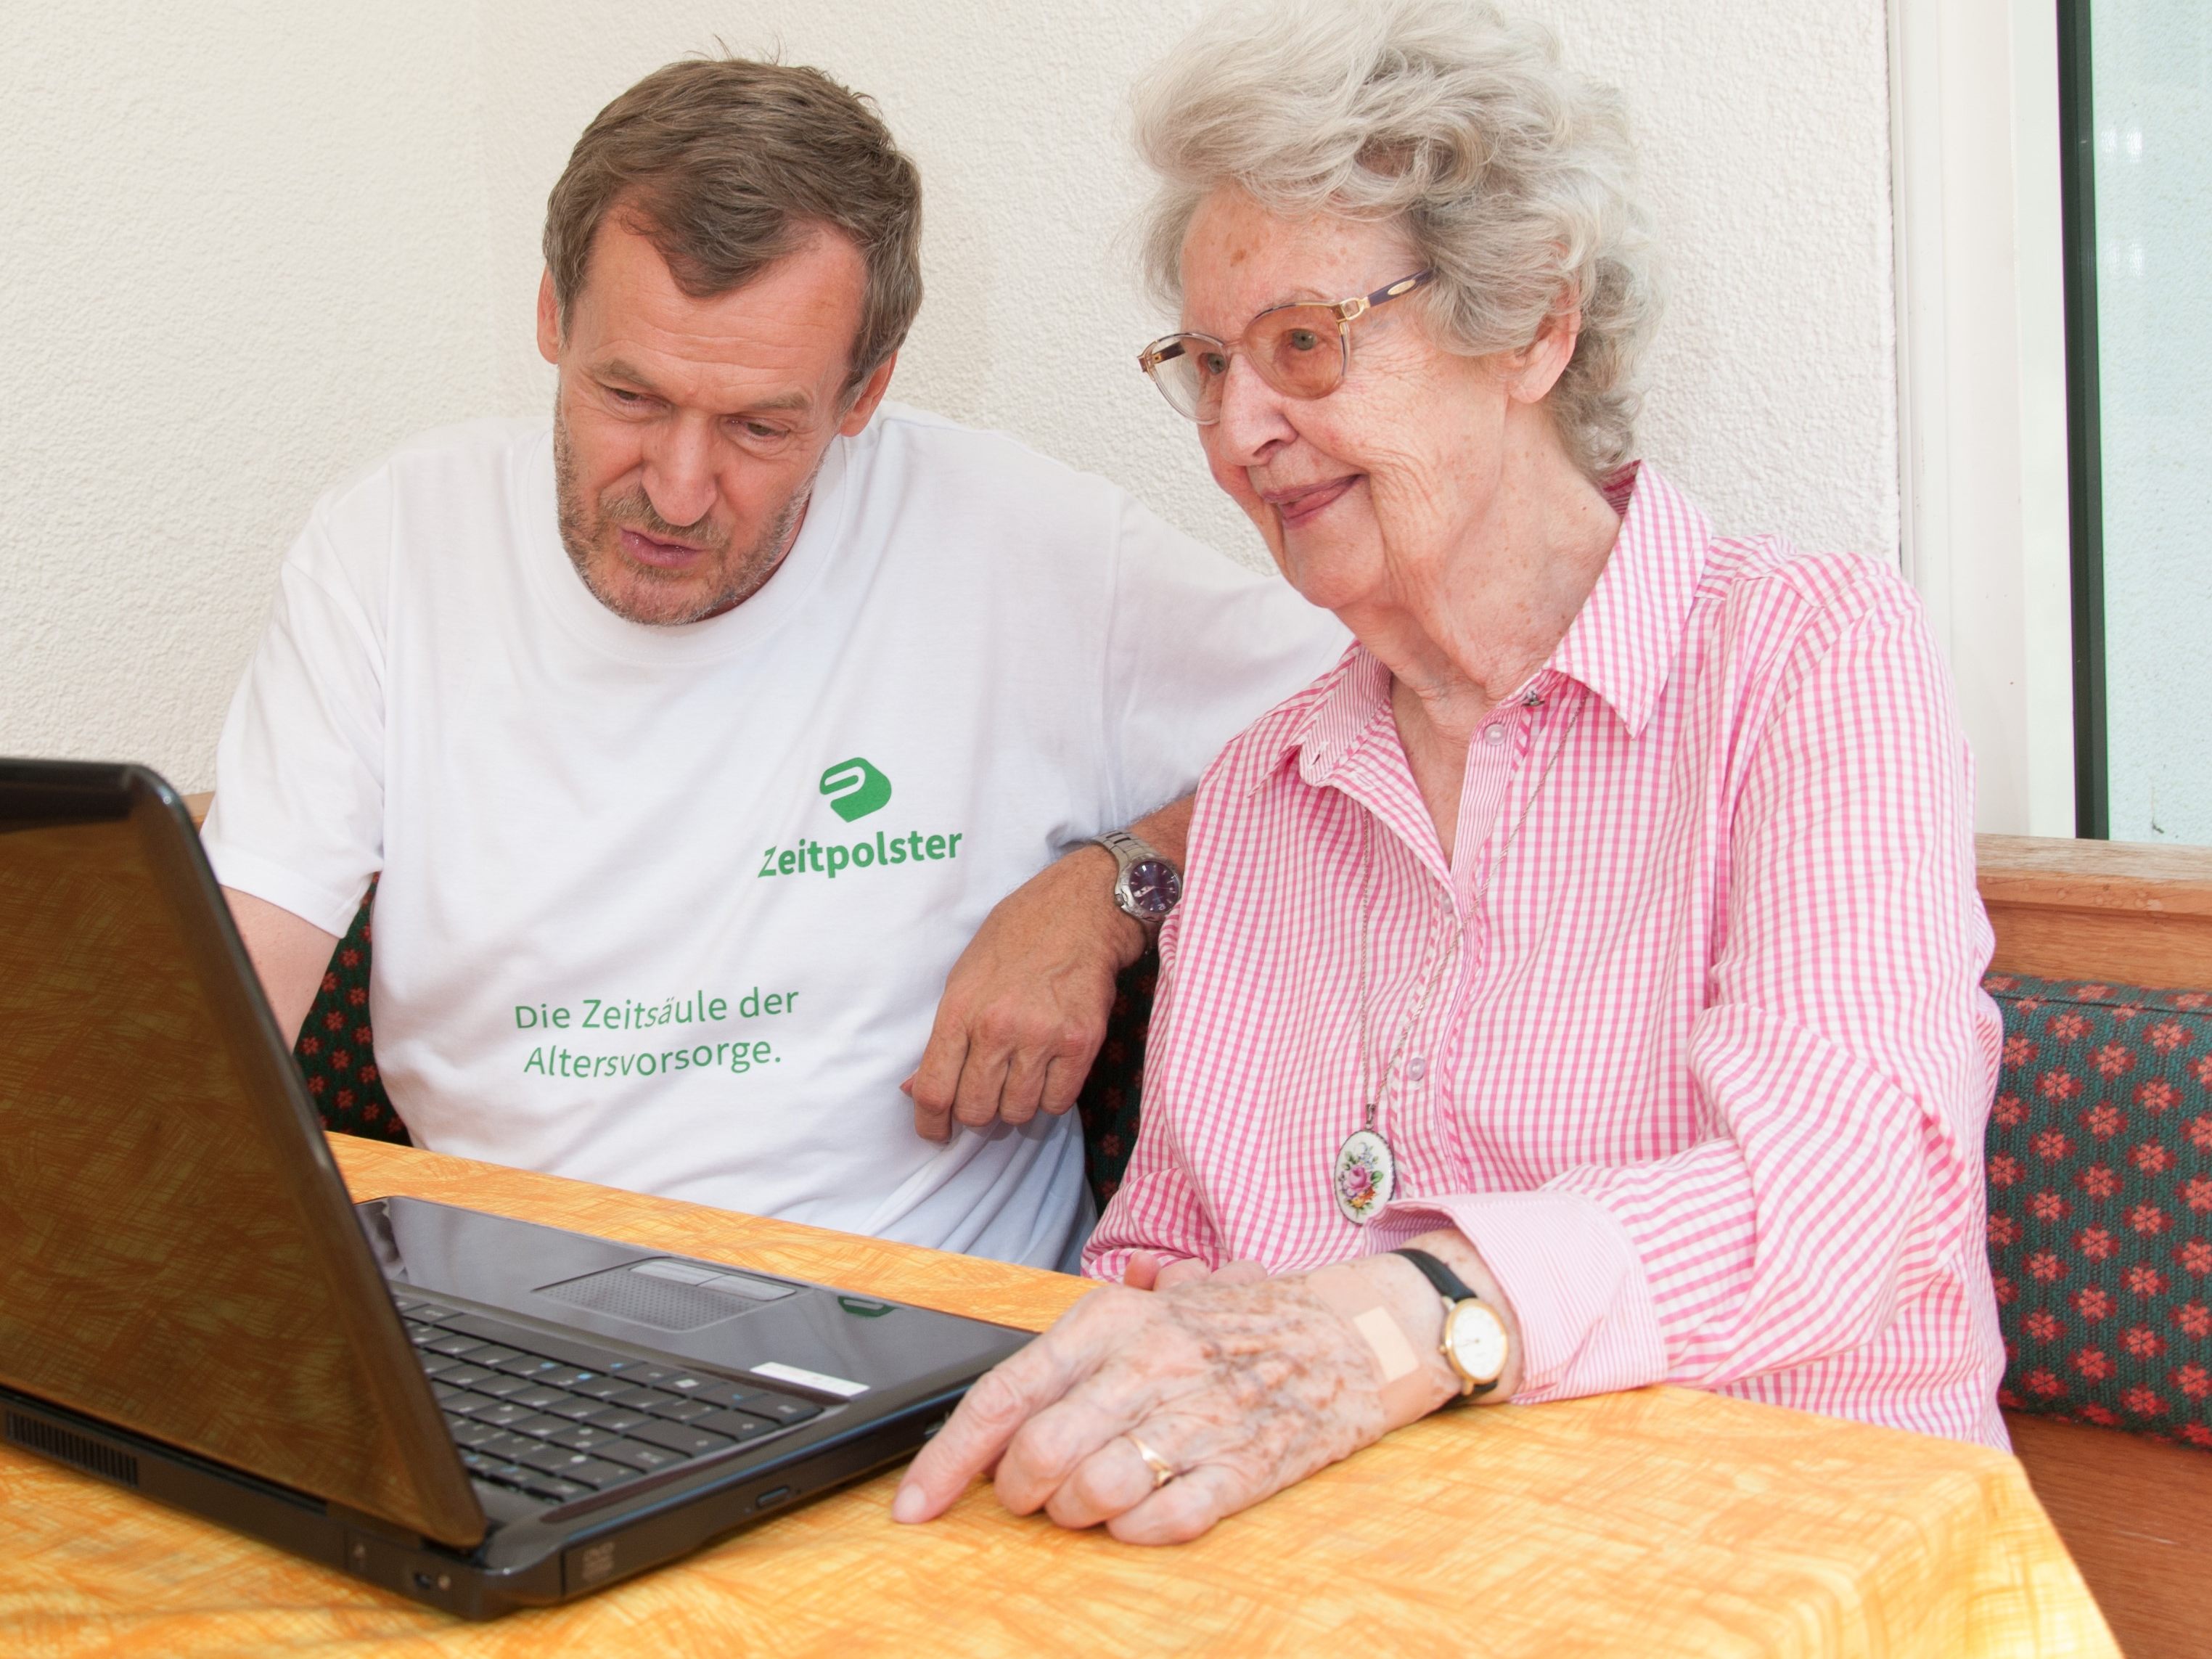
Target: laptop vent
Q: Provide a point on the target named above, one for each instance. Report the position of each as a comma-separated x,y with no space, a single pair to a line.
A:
661,1303
84,1452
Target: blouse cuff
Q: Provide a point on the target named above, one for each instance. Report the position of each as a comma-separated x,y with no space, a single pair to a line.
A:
1577,1286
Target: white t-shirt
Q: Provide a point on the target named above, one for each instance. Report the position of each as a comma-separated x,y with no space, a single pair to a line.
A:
671,909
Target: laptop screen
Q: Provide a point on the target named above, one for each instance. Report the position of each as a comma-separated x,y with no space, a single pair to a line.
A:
177,1254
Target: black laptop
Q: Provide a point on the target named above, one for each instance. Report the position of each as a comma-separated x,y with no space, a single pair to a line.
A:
477,1413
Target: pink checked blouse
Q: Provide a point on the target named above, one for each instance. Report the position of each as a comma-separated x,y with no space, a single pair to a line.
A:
1704,1070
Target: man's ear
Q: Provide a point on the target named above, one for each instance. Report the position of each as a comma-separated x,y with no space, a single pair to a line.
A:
549,320
863,407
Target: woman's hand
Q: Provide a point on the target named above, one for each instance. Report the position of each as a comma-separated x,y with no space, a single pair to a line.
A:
1146,1271
1242,1387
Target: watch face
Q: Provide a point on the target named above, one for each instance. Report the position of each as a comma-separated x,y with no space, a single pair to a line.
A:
1153,887
1476,1338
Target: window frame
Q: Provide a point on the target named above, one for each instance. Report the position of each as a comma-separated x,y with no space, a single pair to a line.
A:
1978,248
2077,119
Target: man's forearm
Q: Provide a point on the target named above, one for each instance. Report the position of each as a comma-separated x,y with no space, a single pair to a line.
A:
289,955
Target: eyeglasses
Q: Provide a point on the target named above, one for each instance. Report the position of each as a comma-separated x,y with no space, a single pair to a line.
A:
1302,349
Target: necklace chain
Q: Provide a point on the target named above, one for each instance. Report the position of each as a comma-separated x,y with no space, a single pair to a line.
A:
1373,1102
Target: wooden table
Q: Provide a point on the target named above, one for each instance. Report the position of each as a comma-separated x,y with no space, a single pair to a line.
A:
1662,1521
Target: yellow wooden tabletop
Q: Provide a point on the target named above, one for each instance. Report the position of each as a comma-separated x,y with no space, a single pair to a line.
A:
1662,1521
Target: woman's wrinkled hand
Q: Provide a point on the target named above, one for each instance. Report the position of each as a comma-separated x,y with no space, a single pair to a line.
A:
1146,1271
1242,1386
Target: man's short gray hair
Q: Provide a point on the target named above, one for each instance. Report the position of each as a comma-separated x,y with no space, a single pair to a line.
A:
1514,177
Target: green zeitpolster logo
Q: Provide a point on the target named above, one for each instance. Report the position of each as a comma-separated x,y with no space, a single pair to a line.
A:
857,787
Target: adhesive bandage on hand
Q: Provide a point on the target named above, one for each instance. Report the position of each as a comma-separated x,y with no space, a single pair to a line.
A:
1406,1393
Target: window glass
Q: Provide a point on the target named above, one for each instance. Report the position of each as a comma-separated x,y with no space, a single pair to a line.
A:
2151,111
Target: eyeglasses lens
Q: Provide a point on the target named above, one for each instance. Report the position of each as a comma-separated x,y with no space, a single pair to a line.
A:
1298,351
1189,371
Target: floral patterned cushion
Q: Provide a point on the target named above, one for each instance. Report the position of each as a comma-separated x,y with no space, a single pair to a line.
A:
1112,1094
2100,1204
336,1049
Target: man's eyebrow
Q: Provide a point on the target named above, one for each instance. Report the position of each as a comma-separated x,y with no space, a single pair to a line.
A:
615,368
797,400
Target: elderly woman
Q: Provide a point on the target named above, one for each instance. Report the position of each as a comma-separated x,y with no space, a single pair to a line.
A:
1578,988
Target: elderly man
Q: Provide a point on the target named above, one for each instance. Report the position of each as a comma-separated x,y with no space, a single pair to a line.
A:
696,733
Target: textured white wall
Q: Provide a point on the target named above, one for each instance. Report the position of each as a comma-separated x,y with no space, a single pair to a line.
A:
248,253
241,249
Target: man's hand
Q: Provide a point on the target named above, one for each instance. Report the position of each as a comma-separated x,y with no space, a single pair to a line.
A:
1024,1008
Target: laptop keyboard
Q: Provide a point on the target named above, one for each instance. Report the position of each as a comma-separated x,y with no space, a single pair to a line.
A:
561,1425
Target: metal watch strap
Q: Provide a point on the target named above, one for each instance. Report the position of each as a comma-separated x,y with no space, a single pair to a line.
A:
1454,1290
1127,849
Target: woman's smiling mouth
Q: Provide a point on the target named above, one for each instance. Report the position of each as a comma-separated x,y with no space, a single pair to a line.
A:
1296,506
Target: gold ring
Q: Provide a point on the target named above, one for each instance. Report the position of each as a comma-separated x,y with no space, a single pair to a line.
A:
1162,1471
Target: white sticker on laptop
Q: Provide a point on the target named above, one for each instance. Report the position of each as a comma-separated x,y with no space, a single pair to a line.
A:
807,1379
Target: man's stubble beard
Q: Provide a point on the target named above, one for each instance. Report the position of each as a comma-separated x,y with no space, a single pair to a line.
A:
590,537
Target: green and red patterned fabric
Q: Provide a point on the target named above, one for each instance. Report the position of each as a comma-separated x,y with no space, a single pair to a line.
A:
2100,1204
336,1051
1112,1099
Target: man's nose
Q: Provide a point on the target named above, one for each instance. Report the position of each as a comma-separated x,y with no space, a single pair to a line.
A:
679,471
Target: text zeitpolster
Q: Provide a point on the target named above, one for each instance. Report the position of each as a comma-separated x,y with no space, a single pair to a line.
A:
881,852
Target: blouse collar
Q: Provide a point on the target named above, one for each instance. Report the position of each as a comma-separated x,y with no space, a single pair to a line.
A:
1622,644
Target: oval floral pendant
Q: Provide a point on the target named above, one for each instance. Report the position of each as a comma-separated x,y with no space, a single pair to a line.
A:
1366,1175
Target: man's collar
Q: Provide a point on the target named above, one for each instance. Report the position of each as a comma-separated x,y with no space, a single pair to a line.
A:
1622,644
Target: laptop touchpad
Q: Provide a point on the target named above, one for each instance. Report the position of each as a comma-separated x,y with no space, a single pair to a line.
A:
668,1294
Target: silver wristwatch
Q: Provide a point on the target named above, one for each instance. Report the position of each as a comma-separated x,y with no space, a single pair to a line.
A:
1148,886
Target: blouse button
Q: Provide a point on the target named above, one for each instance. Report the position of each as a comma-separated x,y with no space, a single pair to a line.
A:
1494,733
1416,1069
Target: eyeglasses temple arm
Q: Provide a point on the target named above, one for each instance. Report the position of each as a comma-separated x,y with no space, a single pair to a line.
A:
1403,285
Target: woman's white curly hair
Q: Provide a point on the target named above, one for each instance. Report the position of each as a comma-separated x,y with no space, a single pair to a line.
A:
1514,177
